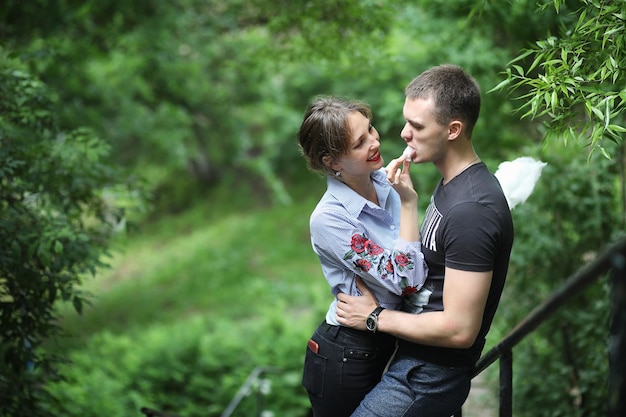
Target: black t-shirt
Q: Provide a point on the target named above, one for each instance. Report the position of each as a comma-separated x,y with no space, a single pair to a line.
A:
467,226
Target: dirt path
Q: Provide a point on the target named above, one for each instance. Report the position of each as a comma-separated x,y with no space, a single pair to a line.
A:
481,401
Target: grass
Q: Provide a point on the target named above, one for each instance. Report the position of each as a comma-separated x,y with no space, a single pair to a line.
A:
190,305
220,258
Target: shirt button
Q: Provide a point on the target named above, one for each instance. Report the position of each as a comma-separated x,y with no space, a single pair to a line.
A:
392,227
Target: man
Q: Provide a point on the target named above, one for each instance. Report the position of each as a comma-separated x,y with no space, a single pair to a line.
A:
467,235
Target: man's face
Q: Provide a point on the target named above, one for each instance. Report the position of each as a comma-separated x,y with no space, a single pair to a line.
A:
422,132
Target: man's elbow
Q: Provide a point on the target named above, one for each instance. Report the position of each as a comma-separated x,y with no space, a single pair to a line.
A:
463,340
463,337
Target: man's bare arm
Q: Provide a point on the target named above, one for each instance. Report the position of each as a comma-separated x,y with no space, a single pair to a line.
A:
465,295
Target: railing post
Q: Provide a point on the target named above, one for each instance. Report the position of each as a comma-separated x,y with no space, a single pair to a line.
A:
248,386
506,383
617,341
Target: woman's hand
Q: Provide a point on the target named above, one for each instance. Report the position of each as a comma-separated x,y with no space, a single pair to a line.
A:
398,175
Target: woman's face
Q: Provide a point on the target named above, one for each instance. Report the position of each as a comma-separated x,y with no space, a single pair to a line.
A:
363,153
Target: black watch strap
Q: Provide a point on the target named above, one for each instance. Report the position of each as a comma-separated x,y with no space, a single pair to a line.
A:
372,320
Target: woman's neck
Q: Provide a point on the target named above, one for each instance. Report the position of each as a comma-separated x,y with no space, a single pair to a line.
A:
364,186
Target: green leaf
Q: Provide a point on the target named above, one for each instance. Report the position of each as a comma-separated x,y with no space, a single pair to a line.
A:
77,302
617,128
58,247
500,86
598,113
519,69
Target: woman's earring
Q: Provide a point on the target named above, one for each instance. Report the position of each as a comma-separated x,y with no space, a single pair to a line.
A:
338,174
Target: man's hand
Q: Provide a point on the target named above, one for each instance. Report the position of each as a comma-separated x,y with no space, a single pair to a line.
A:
352,311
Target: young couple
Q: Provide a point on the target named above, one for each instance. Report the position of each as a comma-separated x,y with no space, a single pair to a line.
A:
383,269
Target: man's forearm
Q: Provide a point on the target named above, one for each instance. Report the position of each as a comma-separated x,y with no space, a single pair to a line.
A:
432,328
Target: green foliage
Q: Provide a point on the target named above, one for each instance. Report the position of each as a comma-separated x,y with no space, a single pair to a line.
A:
303,29
192,370
190,308
203,98
569,218
574,81
199,261
569,351
222,91
58,211
212,97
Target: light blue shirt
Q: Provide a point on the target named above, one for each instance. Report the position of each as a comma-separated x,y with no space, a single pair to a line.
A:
353,236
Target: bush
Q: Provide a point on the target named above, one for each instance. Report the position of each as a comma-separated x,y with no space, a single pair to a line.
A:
60,205
561,368
187,370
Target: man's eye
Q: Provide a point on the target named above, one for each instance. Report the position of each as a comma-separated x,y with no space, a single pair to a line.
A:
371,127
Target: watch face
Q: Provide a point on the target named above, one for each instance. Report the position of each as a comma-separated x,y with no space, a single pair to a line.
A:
370,323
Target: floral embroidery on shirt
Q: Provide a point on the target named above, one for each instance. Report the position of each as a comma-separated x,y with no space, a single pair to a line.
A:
369,253
407,290
363,264
403,260
389,267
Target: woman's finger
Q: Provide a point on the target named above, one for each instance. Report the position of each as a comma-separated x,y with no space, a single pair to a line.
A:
406,166
390,169
396,179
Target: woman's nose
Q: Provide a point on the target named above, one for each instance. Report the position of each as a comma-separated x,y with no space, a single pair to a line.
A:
376,138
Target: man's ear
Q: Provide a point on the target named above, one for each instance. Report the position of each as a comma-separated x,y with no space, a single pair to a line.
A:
454,129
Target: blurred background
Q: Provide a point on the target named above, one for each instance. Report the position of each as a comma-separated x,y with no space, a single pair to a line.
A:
154,206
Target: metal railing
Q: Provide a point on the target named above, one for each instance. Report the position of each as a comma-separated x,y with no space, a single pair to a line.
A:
612,259
256,383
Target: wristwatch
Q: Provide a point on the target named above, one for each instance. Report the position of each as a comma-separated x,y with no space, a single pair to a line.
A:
372,320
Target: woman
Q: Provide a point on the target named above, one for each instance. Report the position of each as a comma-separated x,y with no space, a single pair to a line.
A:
365,226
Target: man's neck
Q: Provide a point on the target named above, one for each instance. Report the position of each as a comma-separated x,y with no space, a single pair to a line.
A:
459,165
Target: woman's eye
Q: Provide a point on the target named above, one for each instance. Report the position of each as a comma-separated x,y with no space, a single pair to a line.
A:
371,127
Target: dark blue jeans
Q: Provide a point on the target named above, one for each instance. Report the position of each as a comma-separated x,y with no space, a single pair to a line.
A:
348,364
415,388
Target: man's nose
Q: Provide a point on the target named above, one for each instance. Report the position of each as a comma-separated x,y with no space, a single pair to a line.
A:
405,133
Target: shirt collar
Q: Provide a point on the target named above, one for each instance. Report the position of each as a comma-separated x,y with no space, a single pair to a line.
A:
354,202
